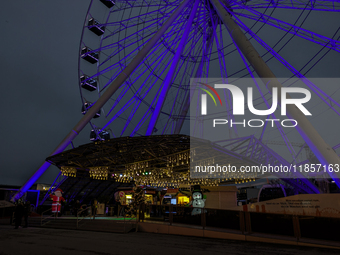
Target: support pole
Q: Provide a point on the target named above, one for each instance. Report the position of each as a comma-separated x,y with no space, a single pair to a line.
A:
321,149
121,78
170,76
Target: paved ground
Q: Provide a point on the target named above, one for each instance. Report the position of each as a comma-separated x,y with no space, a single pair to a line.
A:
63,242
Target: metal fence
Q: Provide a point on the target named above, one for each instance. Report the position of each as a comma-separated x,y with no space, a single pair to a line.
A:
296,226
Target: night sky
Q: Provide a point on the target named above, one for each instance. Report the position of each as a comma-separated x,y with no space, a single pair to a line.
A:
40,95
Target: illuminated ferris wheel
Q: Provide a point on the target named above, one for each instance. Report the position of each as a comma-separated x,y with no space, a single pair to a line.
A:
197,39
137,57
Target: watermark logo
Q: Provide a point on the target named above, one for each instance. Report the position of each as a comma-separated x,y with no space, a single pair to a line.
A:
204,98
239,99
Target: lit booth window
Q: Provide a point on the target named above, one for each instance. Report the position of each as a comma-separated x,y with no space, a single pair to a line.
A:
96,27
88,55
177,197
183,200
108,3
86,107
88,84
103,135
150,195
129,199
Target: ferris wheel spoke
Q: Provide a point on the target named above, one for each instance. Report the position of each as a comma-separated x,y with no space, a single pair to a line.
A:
140,3
177,100
134,38
169,77
187,72
223,68
295,30
227,94
199,73
120,96
280,129
307,82
197,43
140,90
141,97
214,23
198,124
118,66
129,120
262,93
329,6
318,91
165,54
128,70
121,111
122,26
141,122
310,64
127,58
155,57
131,100
141,18
123,45
276,44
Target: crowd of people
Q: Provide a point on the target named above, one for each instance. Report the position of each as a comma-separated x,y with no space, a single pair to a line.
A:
22,211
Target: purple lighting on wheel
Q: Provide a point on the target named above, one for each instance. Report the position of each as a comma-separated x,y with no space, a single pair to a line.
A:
328,6
151,91
290,28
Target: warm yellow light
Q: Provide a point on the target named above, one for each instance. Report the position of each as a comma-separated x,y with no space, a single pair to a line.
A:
183,200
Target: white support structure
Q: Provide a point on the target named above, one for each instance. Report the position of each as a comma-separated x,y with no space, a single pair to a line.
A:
321,149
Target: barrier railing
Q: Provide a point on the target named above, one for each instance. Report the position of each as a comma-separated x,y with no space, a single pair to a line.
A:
42,218
294,226
132,219
80,212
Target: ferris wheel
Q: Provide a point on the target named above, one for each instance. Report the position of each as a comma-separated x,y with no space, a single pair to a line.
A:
137,58
153,100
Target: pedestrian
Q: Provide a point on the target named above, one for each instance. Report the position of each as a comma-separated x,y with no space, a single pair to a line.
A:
118,207
94,207
76,208
27,212
18,213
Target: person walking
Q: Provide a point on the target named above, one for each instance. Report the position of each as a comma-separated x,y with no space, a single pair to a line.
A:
76,208
94,208
27,212
18,213
118,207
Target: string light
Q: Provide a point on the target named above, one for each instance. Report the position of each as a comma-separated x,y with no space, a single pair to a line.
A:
177,172
99,173
68,171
